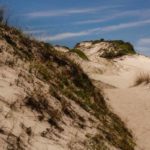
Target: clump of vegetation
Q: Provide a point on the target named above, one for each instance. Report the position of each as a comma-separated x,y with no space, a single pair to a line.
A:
121,48
93,42
15,143
124,47
80,53
116,127
98,41
40,104
142,78
96,143
41,71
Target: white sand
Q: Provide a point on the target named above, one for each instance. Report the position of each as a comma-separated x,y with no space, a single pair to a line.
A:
132,104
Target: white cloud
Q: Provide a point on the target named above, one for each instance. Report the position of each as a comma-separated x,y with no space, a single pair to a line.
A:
34,31
110,17
63,36
111,28
143,48
116,15
126,25
143,45
66,12
144,42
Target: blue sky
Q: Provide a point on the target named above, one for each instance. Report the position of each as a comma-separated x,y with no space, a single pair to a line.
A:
67,22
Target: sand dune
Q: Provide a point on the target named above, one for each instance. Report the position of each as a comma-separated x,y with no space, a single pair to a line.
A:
131,103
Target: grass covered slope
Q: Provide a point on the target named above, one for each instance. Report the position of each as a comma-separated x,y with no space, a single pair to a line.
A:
124,48
79,53
67,83
106,48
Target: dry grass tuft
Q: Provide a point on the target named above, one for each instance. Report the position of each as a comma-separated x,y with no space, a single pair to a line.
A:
142,78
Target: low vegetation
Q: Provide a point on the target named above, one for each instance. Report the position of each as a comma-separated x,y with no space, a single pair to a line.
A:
142,78
41,105
117,48
80,53
121,48
125,47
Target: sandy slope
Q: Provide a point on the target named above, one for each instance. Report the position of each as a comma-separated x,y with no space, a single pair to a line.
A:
35,116
132,104
14,121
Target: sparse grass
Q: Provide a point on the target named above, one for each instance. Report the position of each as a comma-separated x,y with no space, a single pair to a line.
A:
80,54
115,130
66,108
109,54
82,94
10,62
41,71
96,143
41,105
15,143
142,78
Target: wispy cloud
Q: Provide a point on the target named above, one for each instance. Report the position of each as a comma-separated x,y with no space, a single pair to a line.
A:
130,13
143,45
63,36
144,42
34,31
111,28
67,12
126,25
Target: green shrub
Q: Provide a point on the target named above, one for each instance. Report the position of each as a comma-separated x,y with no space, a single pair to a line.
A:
121,48
80,54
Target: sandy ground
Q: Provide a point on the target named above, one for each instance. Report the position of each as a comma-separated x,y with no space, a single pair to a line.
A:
132,104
